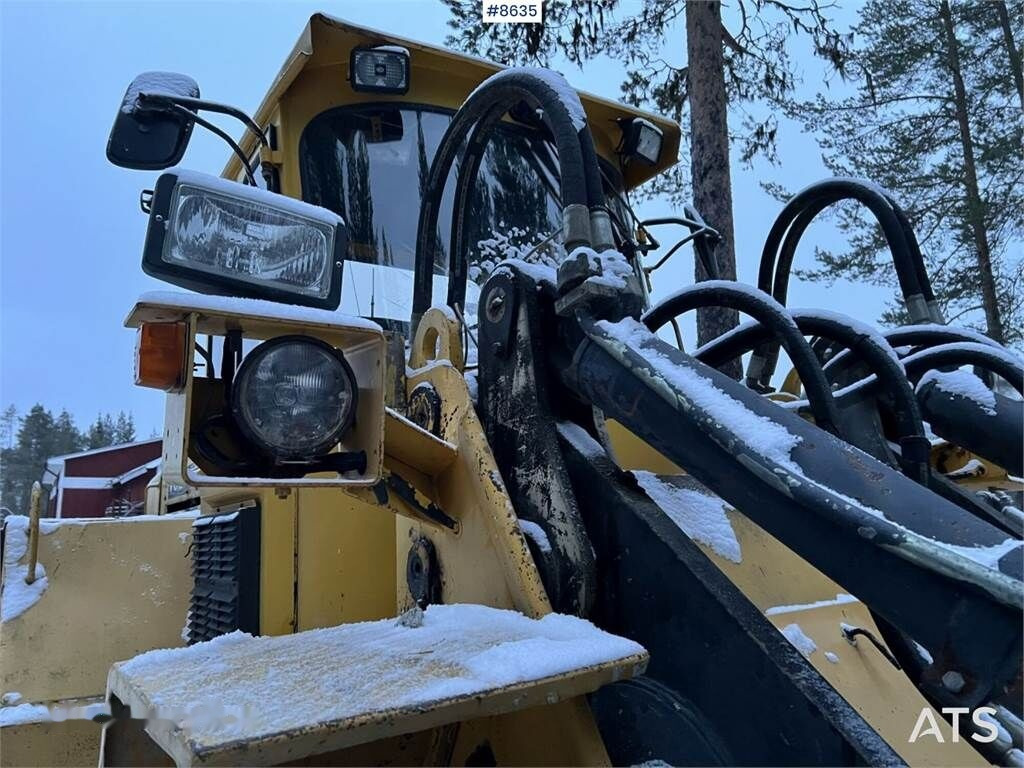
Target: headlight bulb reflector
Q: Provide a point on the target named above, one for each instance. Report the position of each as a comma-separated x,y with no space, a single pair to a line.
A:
294,397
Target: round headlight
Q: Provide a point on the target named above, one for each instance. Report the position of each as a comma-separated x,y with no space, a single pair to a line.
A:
294,397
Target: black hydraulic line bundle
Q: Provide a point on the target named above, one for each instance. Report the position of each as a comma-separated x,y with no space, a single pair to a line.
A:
585,220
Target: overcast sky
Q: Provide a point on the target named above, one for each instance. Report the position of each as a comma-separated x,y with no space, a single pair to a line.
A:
71,231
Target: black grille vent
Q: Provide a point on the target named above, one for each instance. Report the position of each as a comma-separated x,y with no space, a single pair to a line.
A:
225,573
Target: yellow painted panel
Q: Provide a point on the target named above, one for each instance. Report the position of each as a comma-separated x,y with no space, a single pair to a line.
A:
559,734
50,745
346,559
873,686
115,588
277,563
630,452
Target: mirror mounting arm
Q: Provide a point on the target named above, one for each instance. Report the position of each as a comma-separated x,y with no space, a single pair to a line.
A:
194,104
177,108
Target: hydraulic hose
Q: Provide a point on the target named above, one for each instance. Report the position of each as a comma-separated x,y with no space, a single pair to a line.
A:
486,105
469,168
726,293
699,231
992,359
933,335
998,361
797,215
913,336
803,207
917,257
490,101
700,244
592,170
862,344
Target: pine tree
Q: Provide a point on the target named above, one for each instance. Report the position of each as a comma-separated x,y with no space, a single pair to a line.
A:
124,428
102,432
66,437
24,463
748,63
8,420
936,119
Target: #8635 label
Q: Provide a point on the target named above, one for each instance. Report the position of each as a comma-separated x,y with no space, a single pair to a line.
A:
522,12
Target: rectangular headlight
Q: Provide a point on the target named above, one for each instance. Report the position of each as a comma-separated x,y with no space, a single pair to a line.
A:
217,236
381,69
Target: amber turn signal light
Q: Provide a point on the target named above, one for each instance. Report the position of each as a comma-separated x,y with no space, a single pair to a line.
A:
160,356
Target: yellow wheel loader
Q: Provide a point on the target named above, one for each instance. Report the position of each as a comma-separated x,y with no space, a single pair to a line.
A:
461,503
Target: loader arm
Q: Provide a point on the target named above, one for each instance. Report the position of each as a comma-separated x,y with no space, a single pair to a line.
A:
942,576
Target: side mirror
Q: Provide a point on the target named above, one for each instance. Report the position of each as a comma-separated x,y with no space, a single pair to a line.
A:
150,135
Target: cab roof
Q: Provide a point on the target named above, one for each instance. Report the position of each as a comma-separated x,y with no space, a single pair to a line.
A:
328,41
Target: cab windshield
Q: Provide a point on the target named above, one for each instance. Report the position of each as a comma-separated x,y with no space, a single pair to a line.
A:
369,164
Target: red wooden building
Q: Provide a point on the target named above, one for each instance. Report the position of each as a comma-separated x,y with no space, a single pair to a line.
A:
104,482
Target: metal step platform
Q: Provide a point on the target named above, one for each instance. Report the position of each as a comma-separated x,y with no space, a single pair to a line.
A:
239,699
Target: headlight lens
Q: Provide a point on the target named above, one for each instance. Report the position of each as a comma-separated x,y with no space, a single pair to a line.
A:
294,397
217,236
381,69
642,140
247,241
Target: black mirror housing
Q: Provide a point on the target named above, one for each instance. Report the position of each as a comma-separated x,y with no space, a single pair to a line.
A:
146,137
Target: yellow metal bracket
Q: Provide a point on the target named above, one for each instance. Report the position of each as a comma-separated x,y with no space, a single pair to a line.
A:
438,337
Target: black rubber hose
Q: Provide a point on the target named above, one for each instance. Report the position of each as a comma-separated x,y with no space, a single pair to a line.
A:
994,431
725,293
780,283
913,336
699,234
595,187
701,244
469,168
792,222
500,92
933,335
915,250
998,361
816,198
991,359
862,345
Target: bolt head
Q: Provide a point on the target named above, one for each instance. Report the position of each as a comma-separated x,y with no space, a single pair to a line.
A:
496,305
953,681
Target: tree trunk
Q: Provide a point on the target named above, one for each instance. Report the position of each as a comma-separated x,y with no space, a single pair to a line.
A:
709,153
975,208
1011,50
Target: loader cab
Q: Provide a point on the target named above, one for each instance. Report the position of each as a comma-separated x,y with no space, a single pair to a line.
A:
363,150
